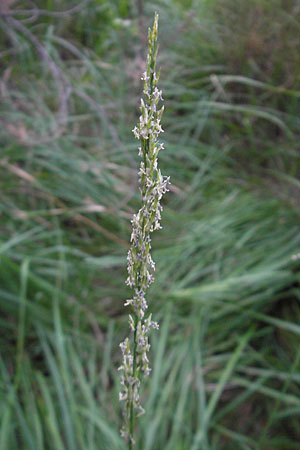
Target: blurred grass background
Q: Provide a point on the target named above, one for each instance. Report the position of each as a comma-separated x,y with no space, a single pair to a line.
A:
226,360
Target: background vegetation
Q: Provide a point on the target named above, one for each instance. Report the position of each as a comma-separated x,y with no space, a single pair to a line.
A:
227,358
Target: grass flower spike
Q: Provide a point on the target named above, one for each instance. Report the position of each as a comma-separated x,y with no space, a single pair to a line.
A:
140,264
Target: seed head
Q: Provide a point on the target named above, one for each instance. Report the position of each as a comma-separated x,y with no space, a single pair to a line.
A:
140,265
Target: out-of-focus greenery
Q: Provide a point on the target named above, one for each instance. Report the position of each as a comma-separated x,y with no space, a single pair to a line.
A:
226,360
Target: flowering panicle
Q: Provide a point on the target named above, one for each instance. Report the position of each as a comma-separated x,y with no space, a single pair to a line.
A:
140,264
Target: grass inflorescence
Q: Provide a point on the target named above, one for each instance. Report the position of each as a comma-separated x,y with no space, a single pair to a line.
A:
140,266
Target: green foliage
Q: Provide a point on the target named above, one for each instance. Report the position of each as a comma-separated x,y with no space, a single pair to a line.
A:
226,361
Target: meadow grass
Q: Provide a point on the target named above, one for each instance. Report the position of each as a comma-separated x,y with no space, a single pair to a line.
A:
226,360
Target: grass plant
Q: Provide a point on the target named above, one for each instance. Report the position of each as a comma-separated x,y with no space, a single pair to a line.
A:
153,186
226,360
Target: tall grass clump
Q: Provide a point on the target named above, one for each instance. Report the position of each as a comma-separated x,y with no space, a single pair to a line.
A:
140,264
225,370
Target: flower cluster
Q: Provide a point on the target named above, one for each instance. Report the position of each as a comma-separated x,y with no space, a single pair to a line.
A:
140,264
